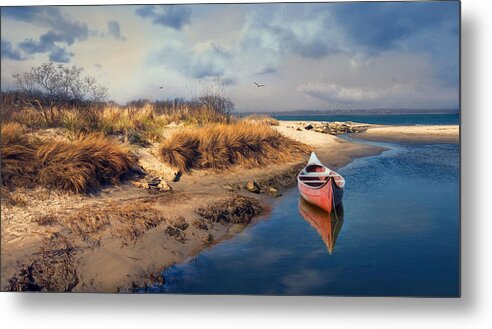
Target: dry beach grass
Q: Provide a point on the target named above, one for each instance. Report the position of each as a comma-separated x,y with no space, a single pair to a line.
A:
220,146
83,164
18,152
260,119
77,166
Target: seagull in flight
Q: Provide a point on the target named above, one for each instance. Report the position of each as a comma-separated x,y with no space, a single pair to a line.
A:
259,85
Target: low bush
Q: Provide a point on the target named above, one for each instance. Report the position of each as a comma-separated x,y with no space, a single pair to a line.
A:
18,162
260,119
181,150
78,166
219,146
82,165
144,122
29,118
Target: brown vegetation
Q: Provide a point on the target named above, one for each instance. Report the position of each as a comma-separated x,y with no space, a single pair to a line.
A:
17,156
52,271
181,150
136,124
260,119
78,166
135,220
238,209
139,125
220,146
127,221
83,164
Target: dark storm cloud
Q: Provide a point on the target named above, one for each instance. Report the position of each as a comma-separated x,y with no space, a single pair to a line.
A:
430,28
381,26
283,36
50,17
43,15
172,16
46,44
210,62
202,61
114,30
324,29
61,30
8,52
60,55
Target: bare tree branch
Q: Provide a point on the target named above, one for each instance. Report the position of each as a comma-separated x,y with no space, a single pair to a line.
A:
60,85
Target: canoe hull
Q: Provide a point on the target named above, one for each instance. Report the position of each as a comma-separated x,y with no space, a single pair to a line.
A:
319,185
325,197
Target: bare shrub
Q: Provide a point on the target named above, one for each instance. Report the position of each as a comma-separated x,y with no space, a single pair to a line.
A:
51,87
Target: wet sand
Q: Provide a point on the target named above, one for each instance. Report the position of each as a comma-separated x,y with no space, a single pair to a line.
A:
104,253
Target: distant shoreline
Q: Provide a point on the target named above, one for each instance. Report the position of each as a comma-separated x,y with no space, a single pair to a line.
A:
446,134
387,133
352,112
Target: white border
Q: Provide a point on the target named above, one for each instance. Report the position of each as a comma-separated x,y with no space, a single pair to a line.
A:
473,310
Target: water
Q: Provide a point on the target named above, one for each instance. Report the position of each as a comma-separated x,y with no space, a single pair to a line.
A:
399,237
393,119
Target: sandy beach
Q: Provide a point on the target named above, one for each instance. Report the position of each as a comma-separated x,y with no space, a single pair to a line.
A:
412,134
102,252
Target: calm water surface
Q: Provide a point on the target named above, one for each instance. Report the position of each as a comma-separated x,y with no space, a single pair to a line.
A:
399,236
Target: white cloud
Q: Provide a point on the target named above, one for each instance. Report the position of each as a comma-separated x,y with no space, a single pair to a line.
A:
307,56
340,94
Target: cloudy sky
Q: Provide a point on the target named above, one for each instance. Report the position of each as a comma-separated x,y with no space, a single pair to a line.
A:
310,56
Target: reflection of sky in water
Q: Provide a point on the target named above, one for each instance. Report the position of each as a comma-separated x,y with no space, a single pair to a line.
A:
399,237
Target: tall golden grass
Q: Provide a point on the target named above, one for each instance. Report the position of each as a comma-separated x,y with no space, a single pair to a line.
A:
139,125
219,146
198,115
82,165
17,153
78,166
181,150
260,119
29,118
136,123
77,121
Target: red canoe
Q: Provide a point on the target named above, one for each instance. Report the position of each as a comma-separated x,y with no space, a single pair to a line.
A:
319,185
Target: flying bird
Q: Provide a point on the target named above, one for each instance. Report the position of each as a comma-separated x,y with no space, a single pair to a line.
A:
161,87
258,84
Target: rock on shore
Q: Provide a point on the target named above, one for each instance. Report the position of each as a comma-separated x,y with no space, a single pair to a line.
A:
332,128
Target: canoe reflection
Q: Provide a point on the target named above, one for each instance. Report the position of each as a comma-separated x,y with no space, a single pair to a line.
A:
328,225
